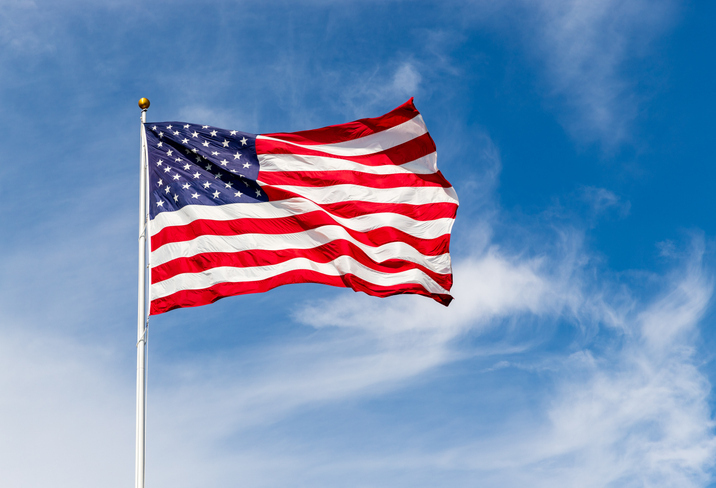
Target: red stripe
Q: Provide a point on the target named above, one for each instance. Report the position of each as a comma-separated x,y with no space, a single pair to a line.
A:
195,298
293,224
396,155
321,254
352,130
346,177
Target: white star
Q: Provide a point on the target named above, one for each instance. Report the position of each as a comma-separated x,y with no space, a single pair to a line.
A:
176,132
233,171
195,195
217,175
198,158
161,134
160,204
237,155
215,153
176,198
225,143
176,160
176,177
167,189
159,163
160,144
187,150
205,143
167,169
186,126
224,162
228,185
186,166
169,152
185,186
207,184
204,126
258,192
160,183
194,150
208,167
243,141
154,128
213,133
237,194
184,141
195,134
169,127
196,175
247,164
233,132
216,194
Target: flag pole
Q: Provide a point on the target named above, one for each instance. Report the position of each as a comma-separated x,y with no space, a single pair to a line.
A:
142,308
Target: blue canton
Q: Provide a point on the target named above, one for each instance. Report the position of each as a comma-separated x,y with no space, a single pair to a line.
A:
200,165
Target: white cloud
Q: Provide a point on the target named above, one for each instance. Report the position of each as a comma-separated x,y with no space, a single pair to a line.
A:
381,86
406,80
635,414
602,199
586,48
67,415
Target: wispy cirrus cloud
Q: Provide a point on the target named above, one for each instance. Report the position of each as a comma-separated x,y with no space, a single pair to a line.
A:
633,413
587,50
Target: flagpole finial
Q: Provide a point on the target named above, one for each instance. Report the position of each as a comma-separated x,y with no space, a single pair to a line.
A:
143,103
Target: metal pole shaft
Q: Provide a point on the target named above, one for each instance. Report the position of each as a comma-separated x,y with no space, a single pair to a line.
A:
141,315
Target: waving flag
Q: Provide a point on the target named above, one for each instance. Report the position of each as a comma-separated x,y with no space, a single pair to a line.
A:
359,205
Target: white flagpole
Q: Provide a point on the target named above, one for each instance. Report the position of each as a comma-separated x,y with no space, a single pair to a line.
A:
142,308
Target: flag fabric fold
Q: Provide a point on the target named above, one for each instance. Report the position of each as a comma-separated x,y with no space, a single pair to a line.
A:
359,205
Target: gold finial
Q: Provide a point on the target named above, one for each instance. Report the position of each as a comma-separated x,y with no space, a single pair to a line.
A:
143,103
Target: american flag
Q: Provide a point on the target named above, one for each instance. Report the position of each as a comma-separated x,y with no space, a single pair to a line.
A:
359,205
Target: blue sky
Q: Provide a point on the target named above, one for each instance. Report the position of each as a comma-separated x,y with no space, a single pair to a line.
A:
577,352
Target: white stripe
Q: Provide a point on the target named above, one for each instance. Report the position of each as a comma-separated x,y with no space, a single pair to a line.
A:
340,266
369,144
296,162
307,239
